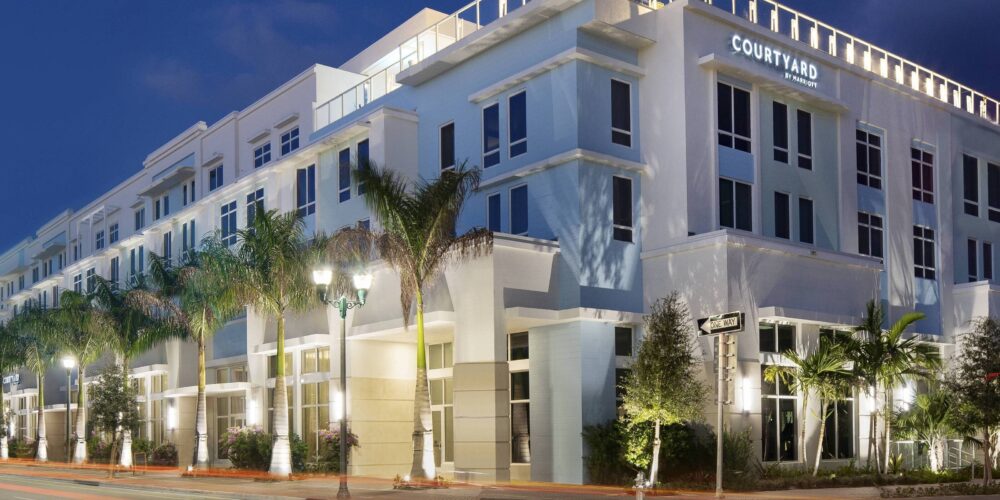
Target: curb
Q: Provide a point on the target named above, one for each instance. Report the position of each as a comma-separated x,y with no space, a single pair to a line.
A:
161,489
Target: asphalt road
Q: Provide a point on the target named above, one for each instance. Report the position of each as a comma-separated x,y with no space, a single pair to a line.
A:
23,488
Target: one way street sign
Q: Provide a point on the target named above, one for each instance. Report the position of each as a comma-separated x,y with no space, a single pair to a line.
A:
730,322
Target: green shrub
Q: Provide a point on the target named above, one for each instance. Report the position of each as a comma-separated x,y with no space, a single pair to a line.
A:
140,445
605,460
328,455
249,448
164,455
22,448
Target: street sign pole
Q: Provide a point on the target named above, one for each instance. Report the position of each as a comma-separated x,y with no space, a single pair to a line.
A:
722,326
718,419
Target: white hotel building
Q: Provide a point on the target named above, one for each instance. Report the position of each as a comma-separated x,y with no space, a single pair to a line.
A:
745,155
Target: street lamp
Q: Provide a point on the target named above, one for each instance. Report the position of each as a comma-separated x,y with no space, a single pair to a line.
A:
322,277
68,363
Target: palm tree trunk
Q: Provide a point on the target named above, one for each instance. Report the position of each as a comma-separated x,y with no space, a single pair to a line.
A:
80,451
126,449
200,459
42,455
824,407
888,427
281,454
423,434
654,467
987,458
802,430
872,447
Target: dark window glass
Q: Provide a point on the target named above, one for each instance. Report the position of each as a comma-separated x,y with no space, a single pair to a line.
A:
518,126
519,210
972,253
622,208
363,159
782,220
804,121
306,191
786,428
987,261
868,147
726,204
734,205
493,215
780,125
786,338
993,191
869,234
806,221
491,135
344,173
744,209
741,118
623,341
289,141
768,337
518,346
923,253
922,173
448,146
725,103
519,386
970,184
621,113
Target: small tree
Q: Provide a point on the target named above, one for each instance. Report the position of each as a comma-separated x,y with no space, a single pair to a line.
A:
113,407
663,386
978,393
930,420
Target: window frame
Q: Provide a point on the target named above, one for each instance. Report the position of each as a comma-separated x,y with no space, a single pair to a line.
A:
970,164
620,231
993,191
489,154
510,209
987,260
344,172
805,160
920,190
489,212
216,178
441,146
734,137
254,204
921,268
227,234
803,201
625,135
870,228
777,148
735,183
866,177
788,215
262,154
288,141
972,259
511,142
307,206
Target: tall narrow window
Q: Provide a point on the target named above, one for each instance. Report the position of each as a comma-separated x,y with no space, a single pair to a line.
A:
193,243
519,210
782,216
168,245
289,141
305,190
806,226
493,212
987,260
140,219
804,123
99,240
870,234
215,178
735,209
78,283
184,195
261,155
993,194
344,173
91,280
780,126
778,421
255,205
972,251
363,163
227,223
113,234
623,341
156,210
447,150
970,185
622,208
868,149
491,135
734,117
923,253
621,113
922,169
518,125
520,420
838,438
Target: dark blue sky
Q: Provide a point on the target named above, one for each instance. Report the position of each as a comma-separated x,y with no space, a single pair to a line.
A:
88,89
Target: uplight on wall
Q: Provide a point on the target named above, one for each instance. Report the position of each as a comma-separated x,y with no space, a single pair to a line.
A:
337,412
172,417
252,415
745,393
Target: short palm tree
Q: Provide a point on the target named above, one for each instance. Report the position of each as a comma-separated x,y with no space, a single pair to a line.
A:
930,419
39,355
419,239
863,350
11,356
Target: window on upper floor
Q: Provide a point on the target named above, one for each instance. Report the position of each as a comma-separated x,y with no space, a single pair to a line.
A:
91,280
734,117
114,272
782,216
227,223
870,234
188,237
305,190
78,283
517,346
923,253
365,224
140,219
161,207
776,338
517,125
215,178
987,260
491,135
806,224
99,240
447,146
972,252
868,154
735,205
363,162
779,125
261,155
168,245
993,194
519,209
621,195
113,234
255,205
289,142
493,213
922,170
621,113
623,341
970,185
344,173
804,123
34,275
137,258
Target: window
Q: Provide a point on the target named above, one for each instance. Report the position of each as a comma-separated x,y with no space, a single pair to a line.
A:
113,234
491,135
993,191
804,122
735,208
868,152
227,223
870,234
734,117
519,210
922,168
55,292
520,419
923,252
315,413
447,146
776,338
188,236
440,356
316,360
161,207
289,142
623,341
184,195
98,240
621,113
442,412
191,192
987,260
91,280
115,276
305,190
233,373
272,365
518,346
782,216
344,173
838,440
262,155
230,411
970,185
780,126
622,208
140,219
215,179
778,421
972,247
365,224
363,160
493,212
806,226
255,205
156,210
168,245
78,283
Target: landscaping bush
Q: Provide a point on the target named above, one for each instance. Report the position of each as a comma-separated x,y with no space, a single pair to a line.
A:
328,455
164,455
249,448
22,448
740,467
605,460
140,445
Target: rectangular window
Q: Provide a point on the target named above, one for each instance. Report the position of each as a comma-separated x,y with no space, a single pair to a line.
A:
191,191
970,184
782,216
55,292
838,440
870,234
806,226
623,341
113,234
140,219
993,194
78,283
780,125
518,347
91,280
520,419
923,253
230,411
289,141
184,195
517,124
447,149
166,205
363,159
305,190
622,208
621,113
519,210
491,135
972,247
215,178
99,240
188,236
262,155
315,414
776,338
227,223
735,208
156,210
922,170
365,224
114,276
316,360
987,260
493,213
734,117
868,152
804,122
778,421
344,173
255,205
168,245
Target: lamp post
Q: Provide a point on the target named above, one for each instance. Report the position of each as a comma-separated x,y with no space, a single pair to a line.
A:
362,283
68,363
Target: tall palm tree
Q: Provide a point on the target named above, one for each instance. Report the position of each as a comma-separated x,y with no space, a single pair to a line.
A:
11,356
271,273
419,240
863,350
39,355
930,420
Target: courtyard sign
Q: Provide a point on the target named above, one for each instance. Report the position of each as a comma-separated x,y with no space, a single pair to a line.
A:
794,68
12,379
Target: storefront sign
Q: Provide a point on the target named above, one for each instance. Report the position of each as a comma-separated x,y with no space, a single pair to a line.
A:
794,68
12,379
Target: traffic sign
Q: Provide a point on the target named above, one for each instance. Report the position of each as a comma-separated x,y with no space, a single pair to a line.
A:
730,322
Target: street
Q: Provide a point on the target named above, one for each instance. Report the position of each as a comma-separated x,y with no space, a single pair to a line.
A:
20,487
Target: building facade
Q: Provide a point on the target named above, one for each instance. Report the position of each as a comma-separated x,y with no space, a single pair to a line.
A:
743,154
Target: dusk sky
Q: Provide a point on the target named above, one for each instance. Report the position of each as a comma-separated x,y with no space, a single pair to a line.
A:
90,88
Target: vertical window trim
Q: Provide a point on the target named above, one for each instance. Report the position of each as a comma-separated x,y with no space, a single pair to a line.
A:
628,109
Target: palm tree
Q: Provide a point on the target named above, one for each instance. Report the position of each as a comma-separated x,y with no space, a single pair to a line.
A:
10,358
39,355
271,273
864,351
930,420
419,240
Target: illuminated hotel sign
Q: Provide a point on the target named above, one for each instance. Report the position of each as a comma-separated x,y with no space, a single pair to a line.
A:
12,379
795,69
